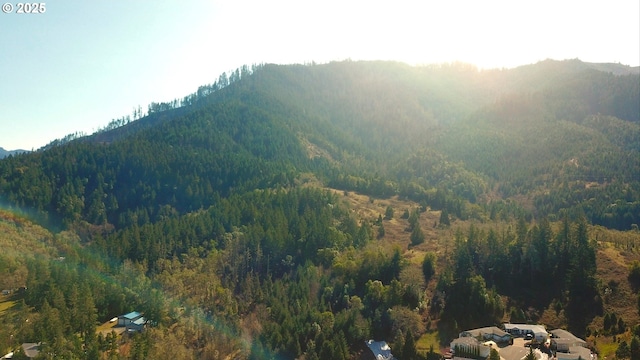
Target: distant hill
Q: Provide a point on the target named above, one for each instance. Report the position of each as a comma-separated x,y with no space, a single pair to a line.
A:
615,68
4,153
380,128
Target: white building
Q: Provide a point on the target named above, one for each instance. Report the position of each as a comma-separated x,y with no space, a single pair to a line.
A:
536,331
469,346
133,321
564,340
488,333
575,353
380,350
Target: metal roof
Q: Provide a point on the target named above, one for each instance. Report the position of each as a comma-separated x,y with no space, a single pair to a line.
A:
31,350
380,350
132,315
561,334
466,340
490,330
532,328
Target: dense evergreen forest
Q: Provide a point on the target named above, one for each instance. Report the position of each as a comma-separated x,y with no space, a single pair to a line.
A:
229,217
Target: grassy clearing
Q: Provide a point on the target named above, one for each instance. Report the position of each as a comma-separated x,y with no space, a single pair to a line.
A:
6,304
426,341
606,347
109,327
106,326
416,257
621,298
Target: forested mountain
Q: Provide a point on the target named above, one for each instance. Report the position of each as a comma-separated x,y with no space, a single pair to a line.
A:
219,204
379,128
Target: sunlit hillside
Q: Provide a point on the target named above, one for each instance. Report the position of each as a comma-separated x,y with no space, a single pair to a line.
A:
294,212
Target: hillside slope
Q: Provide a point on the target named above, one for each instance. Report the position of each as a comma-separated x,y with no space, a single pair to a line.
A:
370,121
295,211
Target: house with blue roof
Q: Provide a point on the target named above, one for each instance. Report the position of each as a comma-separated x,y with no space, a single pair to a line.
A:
133,321
378,350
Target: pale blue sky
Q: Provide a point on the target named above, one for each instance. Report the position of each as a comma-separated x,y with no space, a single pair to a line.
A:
82,63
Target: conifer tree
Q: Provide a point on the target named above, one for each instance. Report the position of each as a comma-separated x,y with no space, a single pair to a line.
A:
493,354
444,218
413,219
388,214
429,266
381,231
417,237
530,355
409,348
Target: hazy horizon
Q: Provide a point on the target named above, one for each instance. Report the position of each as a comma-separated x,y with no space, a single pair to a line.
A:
77,66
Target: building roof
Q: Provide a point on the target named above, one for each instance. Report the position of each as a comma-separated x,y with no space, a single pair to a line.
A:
481,332
575,353
140,321
380,350
583,352
561,334
513,352
533,328
567,356
31,350
467,340
132,315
